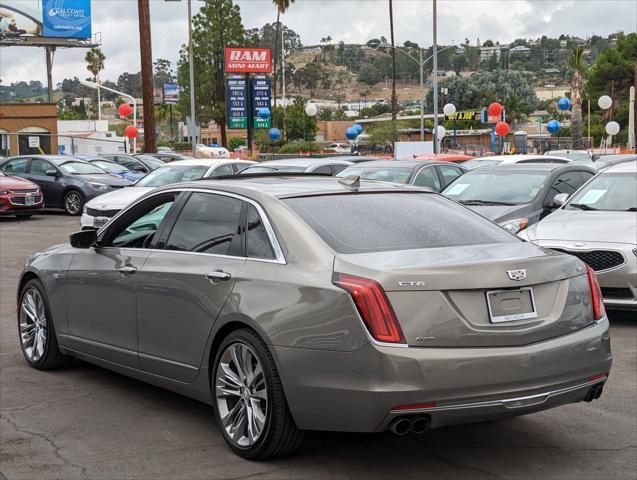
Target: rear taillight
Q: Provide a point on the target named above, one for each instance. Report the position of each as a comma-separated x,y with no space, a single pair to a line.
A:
596,294
373,306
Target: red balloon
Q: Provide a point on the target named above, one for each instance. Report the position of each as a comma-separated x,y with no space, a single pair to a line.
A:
502,128
124,110
131,131
495,109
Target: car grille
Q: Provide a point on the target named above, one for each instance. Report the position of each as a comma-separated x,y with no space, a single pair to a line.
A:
22,192
597,259
616,293
101,213
22,200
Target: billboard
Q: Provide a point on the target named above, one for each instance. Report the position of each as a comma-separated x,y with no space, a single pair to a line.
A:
66,18
237,102
171,93
248,60
15,22
261,98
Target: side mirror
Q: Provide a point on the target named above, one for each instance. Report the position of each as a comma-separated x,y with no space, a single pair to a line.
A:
84,239
139,168
52,173
560,199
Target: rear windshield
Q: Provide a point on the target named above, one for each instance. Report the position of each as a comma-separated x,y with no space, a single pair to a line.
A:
274,168
376,222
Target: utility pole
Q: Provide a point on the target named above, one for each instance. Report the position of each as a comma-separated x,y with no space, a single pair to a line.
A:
146,52
435,76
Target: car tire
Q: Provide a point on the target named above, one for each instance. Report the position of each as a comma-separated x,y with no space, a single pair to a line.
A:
38,340
260,401
73,203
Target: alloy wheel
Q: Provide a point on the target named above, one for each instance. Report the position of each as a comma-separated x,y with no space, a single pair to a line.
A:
33,324
73,203
241,394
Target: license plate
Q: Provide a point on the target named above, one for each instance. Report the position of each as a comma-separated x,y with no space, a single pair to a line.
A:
28,201
100,222
511,305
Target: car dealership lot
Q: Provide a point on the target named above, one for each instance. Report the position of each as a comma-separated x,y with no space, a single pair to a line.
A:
86,422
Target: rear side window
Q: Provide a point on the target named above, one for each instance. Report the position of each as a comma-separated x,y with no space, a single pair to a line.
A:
428,177
257,240
376,222
566,183
208,223
449,173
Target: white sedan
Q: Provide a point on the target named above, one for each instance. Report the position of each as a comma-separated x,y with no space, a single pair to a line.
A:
203,151
100,210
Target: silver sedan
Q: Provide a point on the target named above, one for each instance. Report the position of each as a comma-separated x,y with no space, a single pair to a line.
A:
312,303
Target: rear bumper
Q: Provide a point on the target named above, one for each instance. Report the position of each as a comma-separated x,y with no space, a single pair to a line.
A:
359,391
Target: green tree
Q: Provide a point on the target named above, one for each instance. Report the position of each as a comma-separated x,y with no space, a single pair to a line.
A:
369,75
94,59
281,7
298,126
216,26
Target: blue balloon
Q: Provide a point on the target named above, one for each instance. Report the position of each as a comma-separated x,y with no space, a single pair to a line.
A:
358,127
564,103
264,112
274,134
553,126
351,133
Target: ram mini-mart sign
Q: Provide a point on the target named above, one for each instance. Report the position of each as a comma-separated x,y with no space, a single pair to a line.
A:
248,60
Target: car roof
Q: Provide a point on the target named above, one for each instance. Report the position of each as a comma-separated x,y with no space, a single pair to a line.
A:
533,167
303,162
522,156
624,167
402,163
206,162
280,186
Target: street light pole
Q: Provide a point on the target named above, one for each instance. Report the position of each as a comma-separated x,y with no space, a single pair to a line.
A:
193,130
148,87
435,75
422,97
94,85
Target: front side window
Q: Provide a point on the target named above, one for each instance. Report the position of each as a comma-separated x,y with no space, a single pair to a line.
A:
139,230
566,183
608,191
16,166
40,167
449,173
257,241
428,177
376,222
208,223
506,187
172,174
225,169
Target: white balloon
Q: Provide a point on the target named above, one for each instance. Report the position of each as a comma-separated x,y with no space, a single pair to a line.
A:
605,102
612,128
449,109
442,131
310,110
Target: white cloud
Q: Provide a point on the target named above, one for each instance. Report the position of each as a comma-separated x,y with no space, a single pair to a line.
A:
347,20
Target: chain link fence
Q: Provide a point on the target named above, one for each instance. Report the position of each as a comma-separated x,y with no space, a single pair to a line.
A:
36,143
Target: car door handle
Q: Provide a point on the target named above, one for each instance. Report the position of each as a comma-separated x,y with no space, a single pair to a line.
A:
218,275
128,270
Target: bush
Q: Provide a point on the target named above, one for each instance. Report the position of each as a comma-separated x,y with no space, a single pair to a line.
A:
235,142
296,147
181,146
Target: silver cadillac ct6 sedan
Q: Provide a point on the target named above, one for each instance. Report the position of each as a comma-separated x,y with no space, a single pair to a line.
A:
308,303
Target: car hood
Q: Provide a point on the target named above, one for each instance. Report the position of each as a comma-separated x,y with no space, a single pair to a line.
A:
118,199
16,182
500,213
583,226
106,178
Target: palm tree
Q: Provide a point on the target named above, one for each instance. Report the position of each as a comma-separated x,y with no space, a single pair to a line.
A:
577,86
95,64
394,100
281,7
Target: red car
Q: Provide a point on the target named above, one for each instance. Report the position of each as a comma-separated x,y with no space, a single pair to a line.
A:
19,197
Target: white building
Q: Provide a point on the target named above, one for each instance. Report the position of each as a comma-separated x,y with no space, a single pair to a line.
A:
487,52
88,138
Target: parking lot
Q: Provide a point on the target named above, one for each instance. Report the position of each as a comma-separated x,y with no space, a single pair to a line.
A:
87,422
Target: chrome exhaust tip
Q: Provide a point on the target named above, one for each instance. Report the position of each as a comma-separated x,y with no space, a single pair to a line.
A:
420,425
400,426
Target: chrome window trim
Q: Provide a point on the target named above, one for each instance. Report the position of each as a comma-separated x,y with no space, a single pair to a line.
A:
274,242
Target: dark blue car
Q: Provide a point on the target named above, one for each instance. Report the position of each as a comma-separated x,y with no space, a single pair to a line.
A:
66,183
116,169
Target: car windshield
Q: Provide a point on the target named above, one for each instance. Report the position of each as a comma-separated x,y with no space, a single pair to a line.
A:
499,188
110,167
608,191
152,161
274,168
382,174
376,222
80,168
471,164
172,174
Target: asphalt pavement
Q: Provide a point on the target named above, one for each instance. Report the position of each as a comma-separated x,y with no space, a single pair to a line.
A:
87,422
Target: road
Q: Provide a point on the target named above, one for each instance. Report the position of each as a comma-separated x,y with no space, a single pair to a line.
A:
87,422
